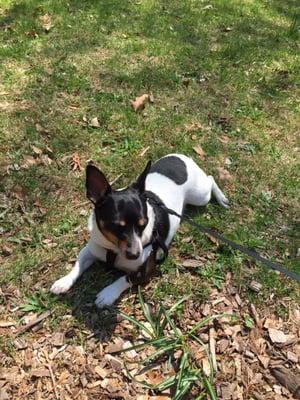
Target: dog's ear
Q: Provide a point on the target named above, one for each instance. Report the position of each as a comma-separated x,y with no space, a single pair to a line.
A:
139,184
97,186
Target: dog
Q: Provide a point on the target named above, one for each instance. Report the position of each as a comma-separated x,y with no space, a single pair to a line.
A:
130,227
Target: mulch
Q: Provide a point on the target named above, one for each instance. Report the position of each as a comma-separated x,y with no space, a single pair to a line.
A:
256,354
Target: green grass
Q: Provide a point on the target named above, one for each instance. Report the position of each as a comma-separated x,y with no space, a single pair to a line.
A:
216,69
163,337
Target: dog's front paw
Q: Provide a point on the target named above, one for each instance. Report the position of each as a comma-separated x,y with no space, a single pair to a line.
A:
62,285
106,297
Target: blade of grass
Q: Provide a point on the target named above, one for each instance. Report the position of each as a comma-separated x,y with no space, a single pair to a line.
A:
136,323
210,389
204,322
146,311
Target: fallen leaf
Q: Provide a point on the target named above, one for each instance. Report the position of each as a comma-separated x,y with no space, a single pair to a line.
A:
94,123
198,149
46,22
223,139
139,102
39,128
191,263
29,161
75,162
224,175
46,160
213,239
278,336
36,150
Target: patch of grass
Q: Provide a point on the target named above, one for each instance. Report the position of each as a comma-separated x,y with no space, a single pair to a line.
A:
161,334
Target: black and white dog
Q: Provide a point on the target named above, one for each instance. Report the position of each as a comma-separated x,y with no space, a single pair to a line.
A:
123,221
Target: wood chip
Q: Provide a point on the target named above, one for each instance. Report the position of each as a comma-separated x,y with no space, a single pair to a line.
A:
6,324
264,360
192,263
40,372
212,347
58,339
102,372
255,286
20,344
278,336
292,357
206,366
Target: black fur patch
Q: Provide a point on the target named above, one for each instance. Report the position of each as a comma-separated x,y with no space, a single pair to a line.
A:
162,223
172,167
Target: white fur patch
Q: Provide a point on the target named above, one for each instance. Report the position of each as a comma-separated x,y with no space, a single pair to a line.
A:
62,285
111,293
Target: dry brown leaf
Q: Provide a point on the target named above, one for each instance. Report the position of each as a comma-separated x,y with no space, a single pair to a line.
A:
75,162
139,102
46,22
198,149
28,161
46,160
94,123
213,239
36,150
223,139
191,263
224,175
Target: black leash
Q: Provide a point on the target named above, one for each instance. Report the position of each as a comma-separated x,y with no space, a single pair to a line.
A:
251,253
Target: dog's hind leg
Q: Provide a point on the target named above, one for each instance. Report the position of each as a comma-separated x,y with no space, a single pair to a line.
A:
84,261
201,192
218,194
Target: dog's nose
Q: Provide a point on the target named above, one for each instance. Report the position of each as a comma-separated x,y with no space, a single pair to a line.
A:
132,256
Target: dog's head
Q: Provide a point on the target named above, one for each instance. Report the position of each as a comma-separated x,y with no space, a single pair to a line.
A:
121,215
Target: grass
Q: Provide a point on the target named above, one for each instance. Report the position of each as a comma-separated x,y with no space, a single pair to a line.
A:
224,75
162,333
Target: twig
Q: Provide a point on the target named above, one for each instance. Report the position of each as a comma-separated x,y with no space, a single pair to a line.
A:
116,179
212,347
48,365
255,315
35,322
144,151
53,380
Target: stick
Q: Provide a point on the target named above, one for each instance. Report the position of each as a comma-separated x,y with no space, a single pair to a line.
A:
53,381
212,346
35,322
48,365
